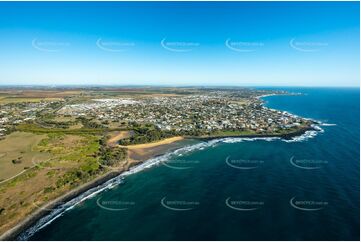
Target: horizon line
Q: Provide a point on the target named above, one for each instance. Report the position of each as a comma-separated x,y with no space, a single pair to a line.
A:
162,85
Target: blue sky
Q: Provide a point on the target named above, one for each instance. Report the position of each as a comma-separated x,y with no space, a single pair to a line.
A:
180,43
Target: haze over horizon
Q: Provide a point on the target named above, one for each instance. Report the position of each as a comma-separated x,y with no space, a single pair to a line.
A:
158,86
180,43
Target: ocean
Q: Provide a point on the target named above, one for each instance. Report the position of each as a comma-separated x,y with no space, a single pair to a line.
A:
235,189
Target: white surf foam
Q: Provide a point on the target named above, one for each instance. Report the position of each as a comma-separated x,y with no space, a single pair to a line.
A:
326,124
61,209
58,212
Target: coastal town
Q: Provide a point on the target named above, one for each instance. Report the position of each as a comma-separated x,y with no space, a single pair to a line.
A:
180,120
12,114
204,112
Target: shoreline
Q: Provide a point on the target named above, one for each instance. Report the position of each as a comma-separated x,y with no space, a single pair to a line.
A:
141,152
154,150
39,213
287,136
46,209
155,144
163,145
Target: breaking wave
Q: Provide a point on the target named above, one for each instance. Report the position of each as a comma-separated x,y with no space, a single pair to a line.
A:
326,124
59,211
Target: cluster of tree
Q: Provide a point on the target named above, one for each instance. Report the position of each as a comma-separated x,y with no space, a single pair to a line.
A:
90,124
78,175
55,124
145,134
193,132
110,156
151,133
72,178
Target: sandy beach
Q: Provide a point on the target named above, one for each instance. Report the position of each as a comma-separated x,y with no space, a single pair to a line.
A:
141,152
155,144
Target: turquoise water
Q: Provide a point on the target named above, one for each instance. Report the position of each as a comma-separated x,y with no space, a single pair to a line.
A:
236,189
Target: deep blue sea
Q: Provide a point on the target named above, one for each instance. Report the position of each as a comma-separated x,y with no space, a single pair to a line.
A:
239,189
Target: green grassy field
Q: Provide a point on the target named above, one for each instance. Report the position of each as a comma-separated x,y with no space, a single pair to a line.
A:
17,152
68,160
40,130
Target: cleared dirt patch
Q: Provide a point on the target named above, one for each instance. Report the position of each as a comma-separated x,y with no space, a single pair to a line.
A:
26,99
118,135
